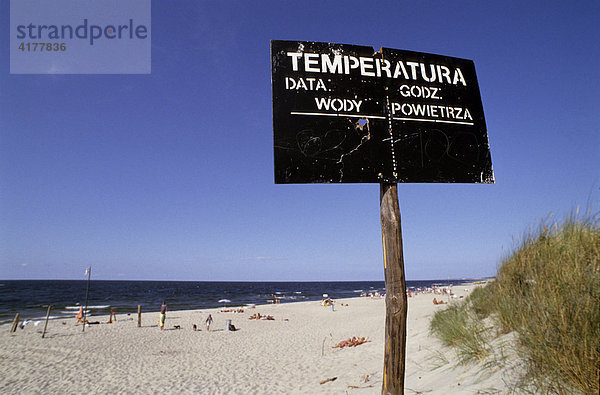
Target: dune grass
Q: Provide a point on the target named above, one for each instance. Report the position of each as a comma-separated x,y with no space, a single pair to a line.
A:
457,328
548,292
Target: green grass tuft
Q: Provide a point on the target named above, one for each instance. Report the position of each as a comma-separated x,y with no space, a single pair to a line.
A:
457,328
548,292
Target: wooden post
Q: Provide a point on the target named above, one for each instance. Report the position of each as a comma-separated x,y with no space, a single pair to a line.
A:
46,324
87,292
139,316
395,289
15,323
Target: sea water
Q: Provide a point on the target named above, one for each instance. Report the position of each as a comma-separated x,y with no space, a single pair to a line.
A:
30,298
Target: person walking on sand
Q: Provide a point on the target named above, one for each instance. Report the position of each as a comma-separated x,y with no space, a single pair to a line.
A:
209,321
112,318
79,315
163,315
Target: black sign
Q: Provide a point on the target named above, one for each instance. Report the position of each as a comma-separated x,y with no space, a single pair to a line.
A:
345,113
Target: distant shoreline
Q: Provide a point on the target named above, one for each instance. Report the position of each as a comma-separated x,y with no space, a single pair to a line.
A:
30,298
244,281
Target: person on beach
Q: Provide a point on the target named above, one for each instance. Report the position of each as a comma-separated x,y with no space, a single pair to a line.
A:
113,317
79,315
163,315
209,321
230,326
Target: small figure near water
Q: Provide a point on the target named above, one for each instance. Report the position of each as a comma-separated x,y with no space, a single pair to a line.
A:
209,321
112,318
163,315
79,316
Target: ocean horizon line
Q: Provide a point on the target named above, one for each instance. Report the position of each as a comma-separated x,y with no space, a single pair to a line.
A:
31,298
250,281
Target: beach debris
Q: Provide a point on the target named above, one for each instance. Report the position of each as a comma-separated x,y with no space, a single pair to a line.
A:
177,326
351,342
364,380
357,386
328,380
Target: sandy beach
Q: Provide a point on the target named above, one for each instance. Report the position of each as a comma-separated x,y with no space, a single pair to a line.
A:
292,354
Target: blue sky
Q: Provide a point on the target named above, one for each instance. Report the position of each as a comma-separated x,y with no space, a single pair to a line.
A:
170,175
